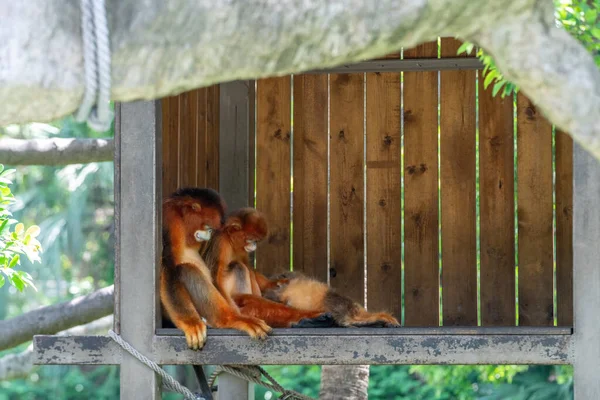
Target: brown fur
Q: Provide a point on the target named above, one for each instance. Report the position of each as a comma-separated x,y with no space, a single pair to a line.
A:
228,261
186,289
299,291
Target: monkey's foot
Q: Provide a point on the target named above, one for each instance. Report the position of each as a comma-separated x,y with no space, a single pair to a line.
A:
377,320
254,327
195,335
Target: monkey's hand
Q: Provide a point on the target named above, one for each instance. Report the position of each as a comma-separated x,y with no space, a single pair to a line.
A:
195,334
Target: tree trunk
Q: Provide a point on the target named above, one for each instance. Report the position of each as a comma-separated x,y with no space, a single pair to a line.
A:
57,317
20,365
162,48
344,382
56,151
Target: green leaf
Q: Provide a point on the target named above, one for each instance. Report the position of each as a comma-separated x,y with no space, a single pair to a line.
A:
497,87
7,172
489,78
2,280
465,47
17,282
596,32
3,225
590,16
14,261
33,231
27,279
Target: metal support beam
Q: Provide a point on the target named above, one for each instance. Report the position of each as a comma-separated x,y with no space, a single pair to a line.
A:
234,142
325,348
138,241
233,388
586,273
234,179
391,65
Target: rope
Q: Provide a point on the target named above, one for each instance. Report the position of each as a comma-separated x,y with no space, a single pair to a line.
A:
253,374
248,373
95,107
169,382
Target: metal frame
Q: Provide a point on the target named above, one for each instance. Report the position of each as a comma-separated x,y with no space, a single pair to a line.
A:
137,195
406,65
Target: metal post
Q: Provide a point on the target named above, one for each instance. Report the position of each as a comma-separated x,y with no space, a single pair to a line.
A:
586,274
233,388
234,142
234,178
138,241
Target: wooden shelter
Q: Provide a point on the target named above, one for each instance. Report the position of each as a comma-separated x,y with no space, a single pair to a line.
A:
419,193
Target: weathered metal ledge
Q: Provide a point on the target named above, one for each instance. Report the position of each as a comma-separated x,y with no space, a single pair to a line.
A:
373,346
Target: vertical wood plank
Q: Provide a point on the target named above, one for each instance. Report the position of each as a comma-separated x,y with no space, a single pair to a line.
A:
564,227
346,184
170,144
251,140
497,218
212,137
421,256
201,117
384,228
188,136
534,168
457,162
310,175
273,171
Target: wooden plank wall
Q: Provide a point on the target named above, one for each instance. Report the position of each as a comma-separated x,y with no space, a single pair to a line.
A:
384,212
190,139
421,203
457,170
344,146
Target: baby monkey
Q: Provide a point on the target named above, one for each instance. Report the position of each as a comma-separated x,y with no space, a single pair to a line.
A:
227,256
299,291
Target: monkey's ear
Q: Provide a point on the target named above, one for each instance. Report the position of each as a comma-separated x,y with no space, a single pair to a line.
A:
234,226
196,207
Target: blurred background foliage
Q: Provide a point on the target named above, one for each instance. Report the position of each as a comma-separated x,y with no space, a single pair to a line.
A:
73,205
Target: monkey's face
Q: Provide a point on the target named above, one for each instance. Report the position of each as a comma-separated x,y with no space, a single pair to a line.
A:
201,222
246,228
243,238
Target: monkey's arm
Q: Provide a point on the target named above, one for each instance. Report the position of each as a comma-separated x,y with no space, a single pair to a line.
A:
265,283
211,304
275,314
178,305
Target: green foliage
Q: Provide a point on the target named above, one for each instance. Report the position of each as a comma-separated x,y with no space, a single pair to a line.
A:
578,17
536,383
14,243
490,72
65,382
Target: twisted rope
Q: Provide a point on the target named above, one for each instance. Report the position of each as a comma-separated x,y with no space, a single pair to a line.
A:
248,373
96,57
169,382
253,374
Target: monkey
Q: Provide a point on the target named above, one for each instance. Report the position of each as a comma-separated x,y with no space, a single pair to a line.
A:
190,217
227,255
299,291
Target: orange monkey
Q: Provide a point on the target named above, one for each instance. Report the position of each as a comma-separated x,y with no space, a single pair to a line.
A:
190,216
299,291
227,255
